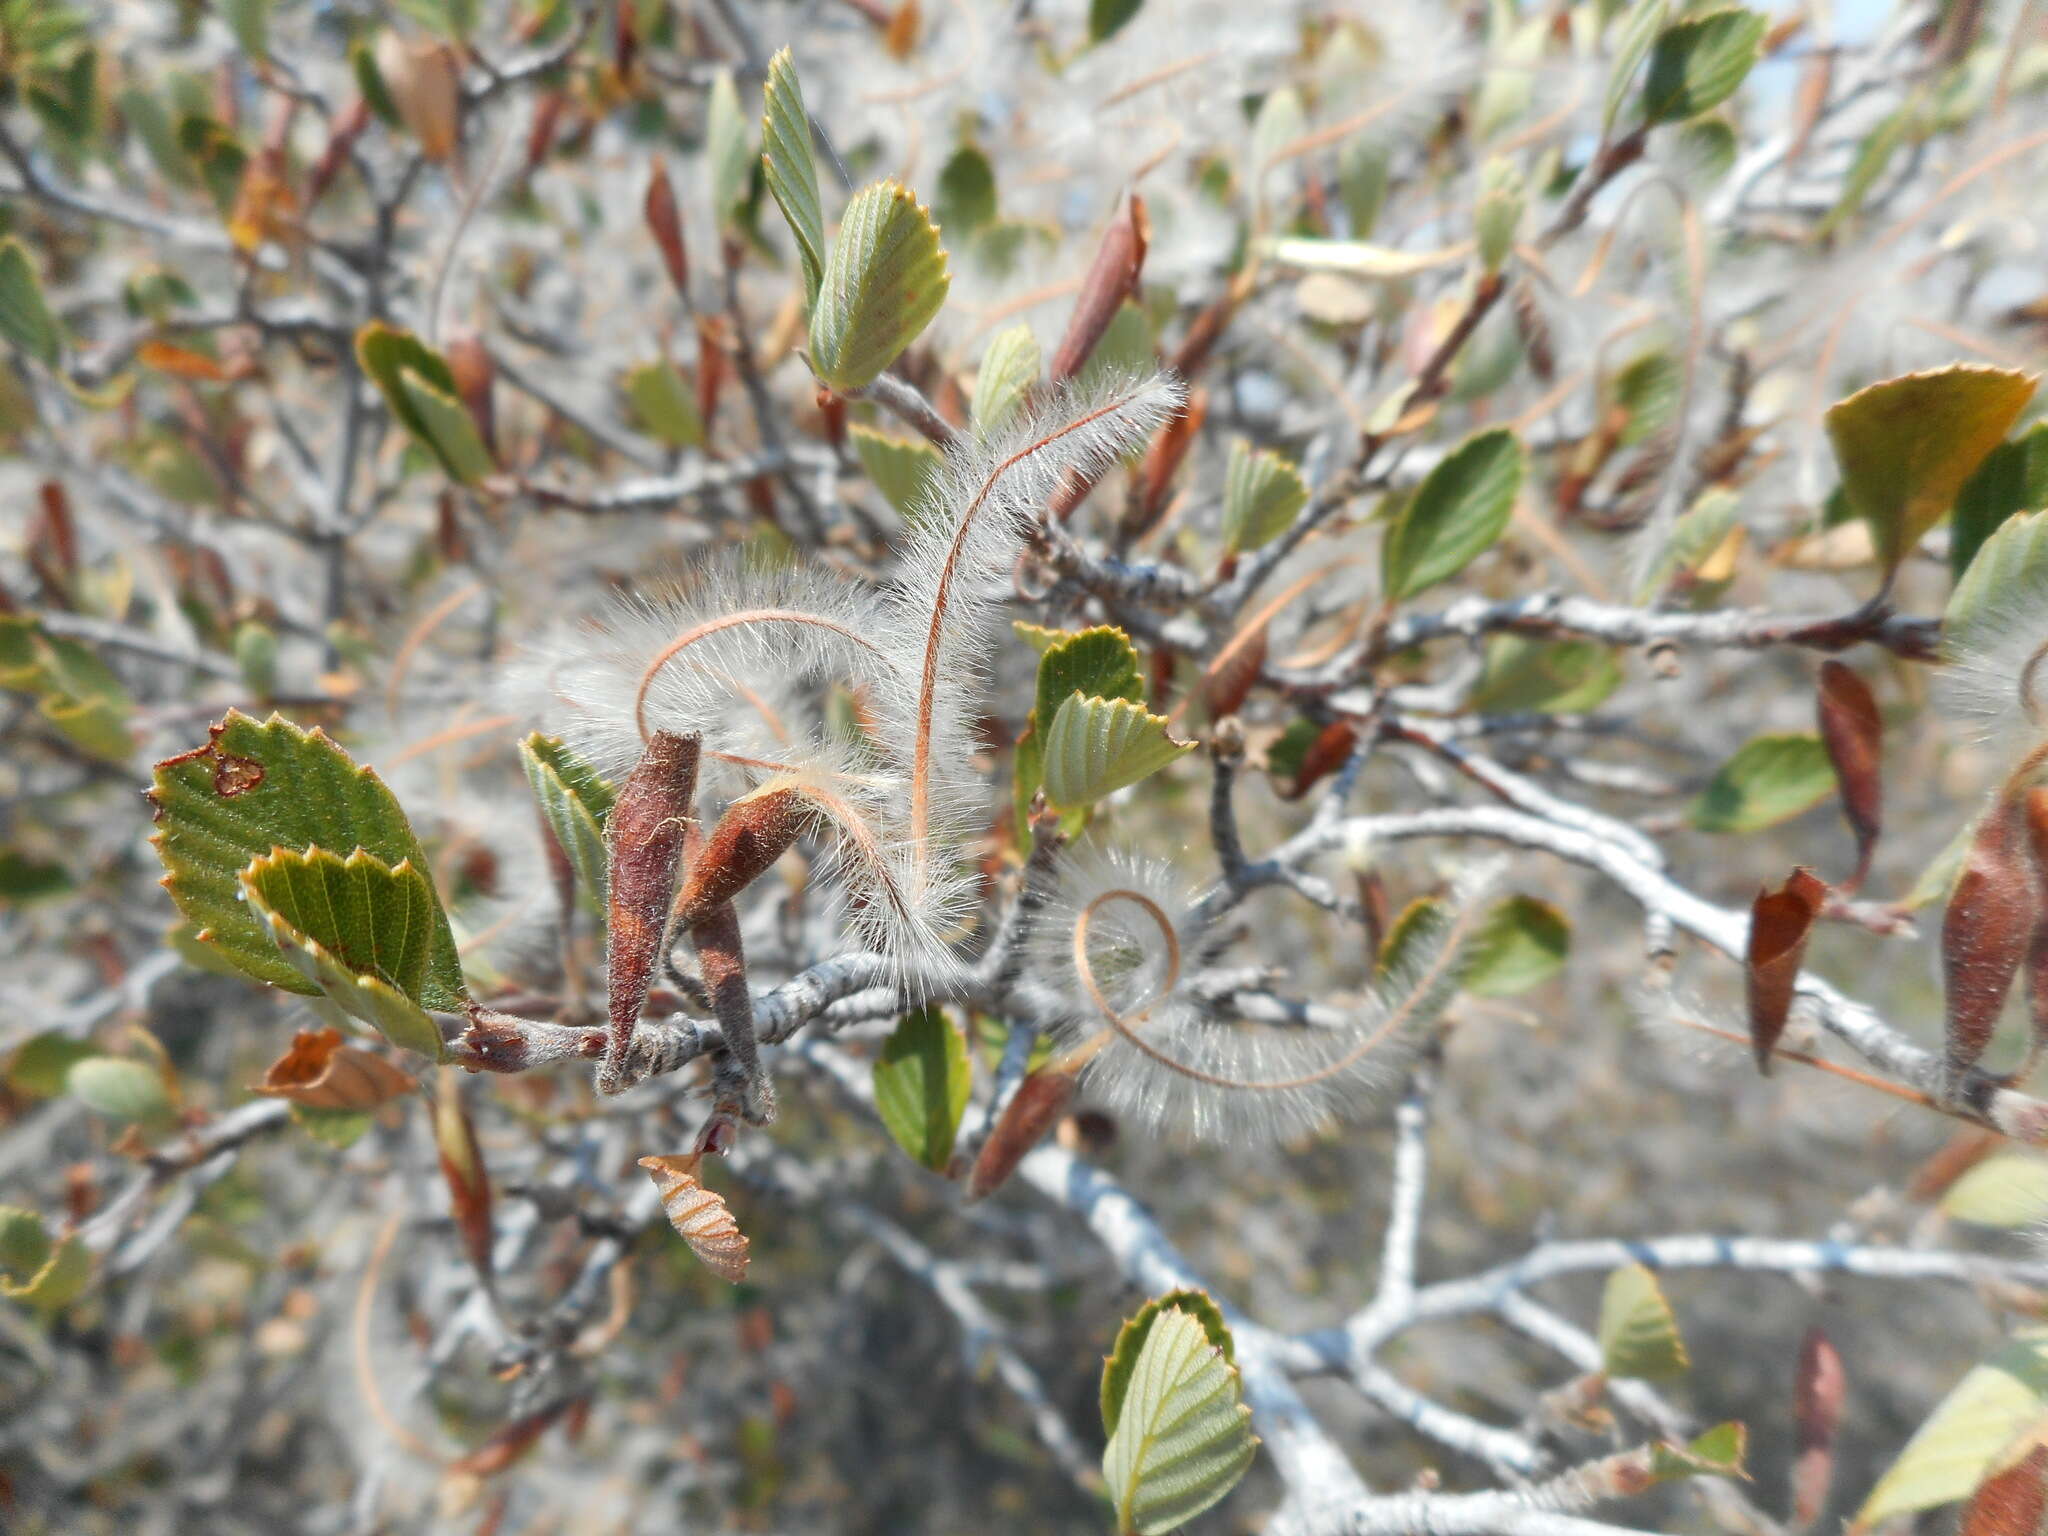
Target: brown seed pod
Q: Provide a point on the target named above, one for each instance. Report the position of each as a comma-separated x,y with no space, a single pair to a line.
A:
699,1216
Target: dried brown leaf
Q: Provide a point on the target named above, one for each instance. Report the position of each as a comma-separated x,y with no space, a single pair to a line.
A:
1819,1387
700,1216
1779,923
320,1072
1853,732
2012,1502
1039,1101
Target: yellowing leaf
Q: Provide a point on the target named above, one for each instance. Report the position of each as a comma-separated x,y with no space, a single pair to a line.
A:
1638,1332
2005,1191
901,467
885,280
1961,1440
1009,369
1907,446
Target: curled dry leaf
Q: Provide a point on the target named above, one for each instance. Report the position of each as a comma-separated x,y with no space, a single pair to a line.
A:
1818,1390
425,86
1119,265
2011,1502
320,1072
1779,923
700,1216
1986,932
1853,732
1039,1101
1330,750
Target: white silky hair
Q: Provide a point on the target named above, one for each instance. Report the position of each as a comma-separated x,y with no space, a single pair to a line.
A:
954,575
1992,684
1236,1082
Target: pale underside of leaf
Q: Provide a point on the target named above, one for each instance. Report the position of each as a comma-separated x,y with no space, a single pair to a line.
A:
1183,1439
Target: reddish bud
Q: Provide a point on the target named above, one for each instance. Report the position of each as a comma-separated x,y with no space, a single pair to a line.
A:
1779,923
712,368
752,834
1986,933
644,843
1114,277
1819,1387
1853,732
667,227
832,406
1039,1101
746,1090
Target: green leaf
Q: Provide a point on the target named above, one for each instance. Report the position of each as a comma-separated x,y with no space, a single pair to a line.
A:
34,1271
119,1088
574,802
25,317
791,173
1262,493
1638,1332
1960,1441
1522,942
1872,156
1130,1341
1455,514
922,1079
360,930
2010,1190
1107,17
885,280
2013,559
1183,1439
1098,746
1770,779
1498,214
725,148
249,20
1125,347
1553,677
1631,43
1699,61
1009,370
1722,1451
1907,446
2013,478
901,467
254,787
1648,390
420,389
74,690
664,405
1098,663
1697,533
370,81
966,198
39,1067
24,879
453,19
336,1128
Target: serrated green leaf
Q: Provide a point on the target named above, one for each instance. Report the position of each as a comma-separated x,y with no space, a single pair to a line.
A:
25,317
1719,1452
922,1080
1638,1332
1098,746
1130,1340
1522,943
1699,61
420,389
1009,370
1098,663
901,467
1183,1439
1457,512
726,154
1907,446
2013,559
574,802
360,930
1556,677
119,1088
664,404
1648,391
1632,42
1263,492
1960,1441
2012,479
2010,1190
884,281
1769,779
791,173
255,787
966,198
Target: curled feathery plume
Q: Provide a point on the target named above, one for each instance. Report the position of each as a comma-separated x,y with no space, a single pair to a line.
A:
1115,947
1995,683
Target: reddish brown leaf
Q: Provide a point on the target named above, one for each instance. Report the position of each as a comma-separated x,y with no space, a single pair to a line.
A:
1964,1150
322,1073
2037,945
1779,922
1039,1101
474,372
745,1090
1119,264
1162,461
1230,676
667,227
644,846
512,1441
1330,751
900,36
462,1165
1819,1387
1854,735
2012,1502
753,833
1203,334
712,368
540,136
341,140
1986,932
180,362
